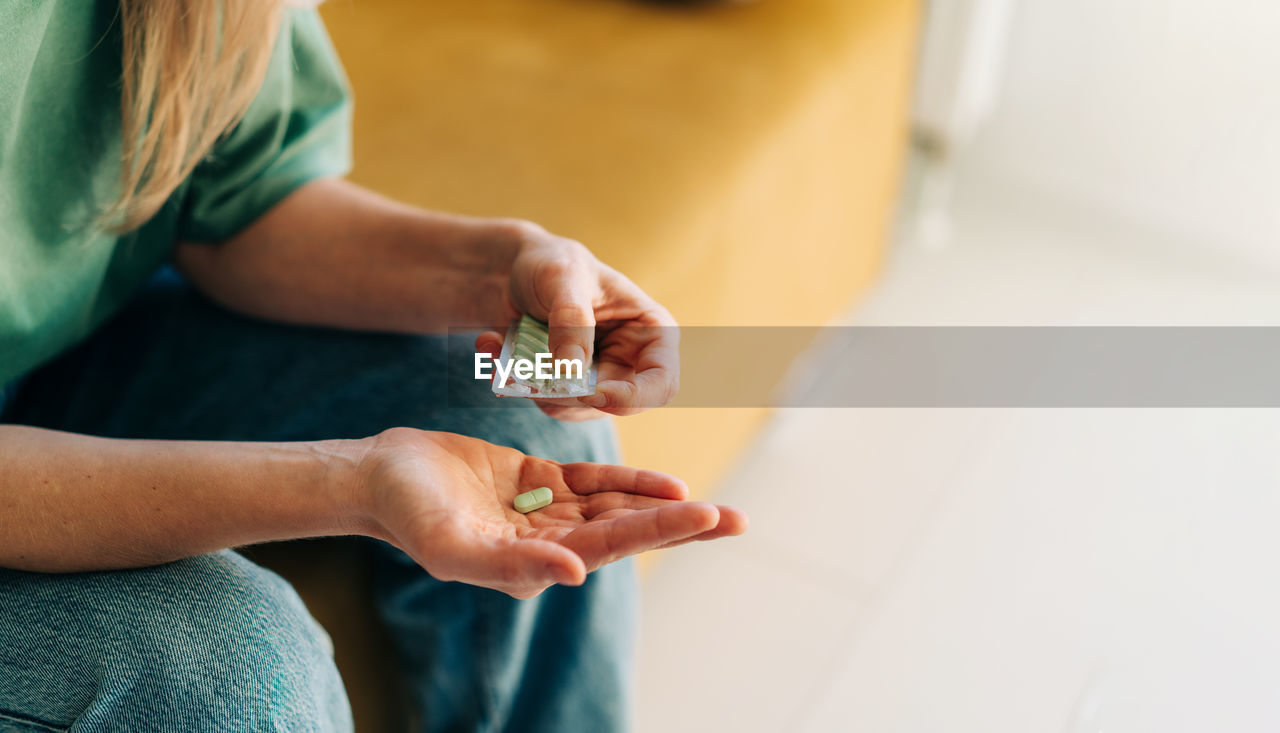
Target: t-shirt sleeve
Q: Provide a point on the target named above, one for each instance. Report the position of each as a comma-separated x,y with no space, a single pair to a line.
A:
297,129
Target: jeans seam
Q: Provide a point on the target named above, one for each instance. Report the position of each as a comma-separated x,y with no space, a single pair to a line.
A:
27,720
488,672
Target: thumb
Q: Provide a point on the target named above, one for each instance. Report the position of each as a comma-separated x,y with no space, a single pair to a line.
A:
519,567
571,325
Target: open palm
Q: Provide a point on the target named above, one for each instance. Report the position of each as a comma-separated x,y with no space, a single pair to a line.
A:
446,500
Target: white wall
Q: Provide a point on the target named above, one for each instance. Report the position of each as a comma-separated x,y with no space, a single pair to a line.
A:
1166,110
959,71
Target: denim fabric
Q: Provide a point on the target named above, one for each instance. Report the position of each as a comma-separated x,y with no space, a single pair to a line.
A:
218,643
209,643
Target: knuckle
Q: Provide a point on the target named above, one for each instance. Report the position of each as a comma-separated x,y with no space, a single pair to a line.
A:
658,314
581,251
554,269
573,317
440,574
566,307
521,230
396,435
671,389
665,318
625,394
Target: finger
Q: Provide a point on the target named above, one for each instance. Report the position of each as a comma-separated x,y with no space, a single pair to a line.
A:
604,541
590,478
568,413
517,566
490,342
571,320
599,506
540,559
655,378
733,522
566,569
634,394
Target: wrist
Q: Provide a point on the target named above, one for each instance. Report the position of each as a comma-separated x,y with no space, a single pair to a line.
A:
481,262
346,486
491,245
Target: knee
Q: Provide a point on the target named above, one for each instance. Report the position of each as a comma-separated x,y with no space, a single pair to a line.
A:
230,636
210,642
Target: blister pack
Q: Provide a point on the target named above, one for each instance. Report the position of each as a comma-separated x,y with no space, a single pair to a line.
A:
531,369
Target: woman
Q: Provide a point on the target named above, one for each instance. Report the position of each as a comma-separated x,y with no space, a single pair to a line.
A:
286,385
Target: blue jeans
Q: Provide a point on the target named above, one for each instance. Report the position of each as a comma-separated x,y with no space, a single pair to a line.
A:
218,643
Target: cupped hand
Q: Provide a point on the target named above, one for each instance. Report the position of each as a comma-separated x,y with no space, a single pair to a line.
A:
446,500
591,307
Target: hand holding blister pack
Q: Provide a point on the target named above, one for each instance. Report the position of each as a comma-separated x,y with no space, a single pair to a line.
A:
532,371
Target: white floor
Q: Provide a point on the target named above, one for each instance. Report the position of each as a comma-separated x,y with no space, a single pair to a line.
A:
995,570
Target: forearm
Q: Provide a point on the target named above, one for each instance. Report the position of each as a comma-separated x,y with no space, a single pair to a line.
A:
334,254
72,502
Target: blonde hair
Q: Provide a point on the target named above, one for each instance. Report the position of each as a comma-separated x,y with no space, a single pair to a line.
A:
191,70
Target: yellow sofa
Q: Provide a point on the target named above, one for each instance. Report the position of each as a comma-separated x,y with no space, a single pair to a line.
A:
738,161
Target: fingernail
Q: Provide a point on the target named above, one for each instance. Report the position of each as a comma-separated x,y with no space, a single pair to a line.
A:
573,351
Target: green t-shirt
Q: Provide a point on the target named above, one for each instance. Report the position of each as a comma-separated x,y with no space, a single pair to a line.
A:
60,67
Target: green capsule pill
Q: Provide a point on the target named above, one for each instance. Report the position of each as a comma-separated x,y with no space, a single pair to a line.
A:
531,500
